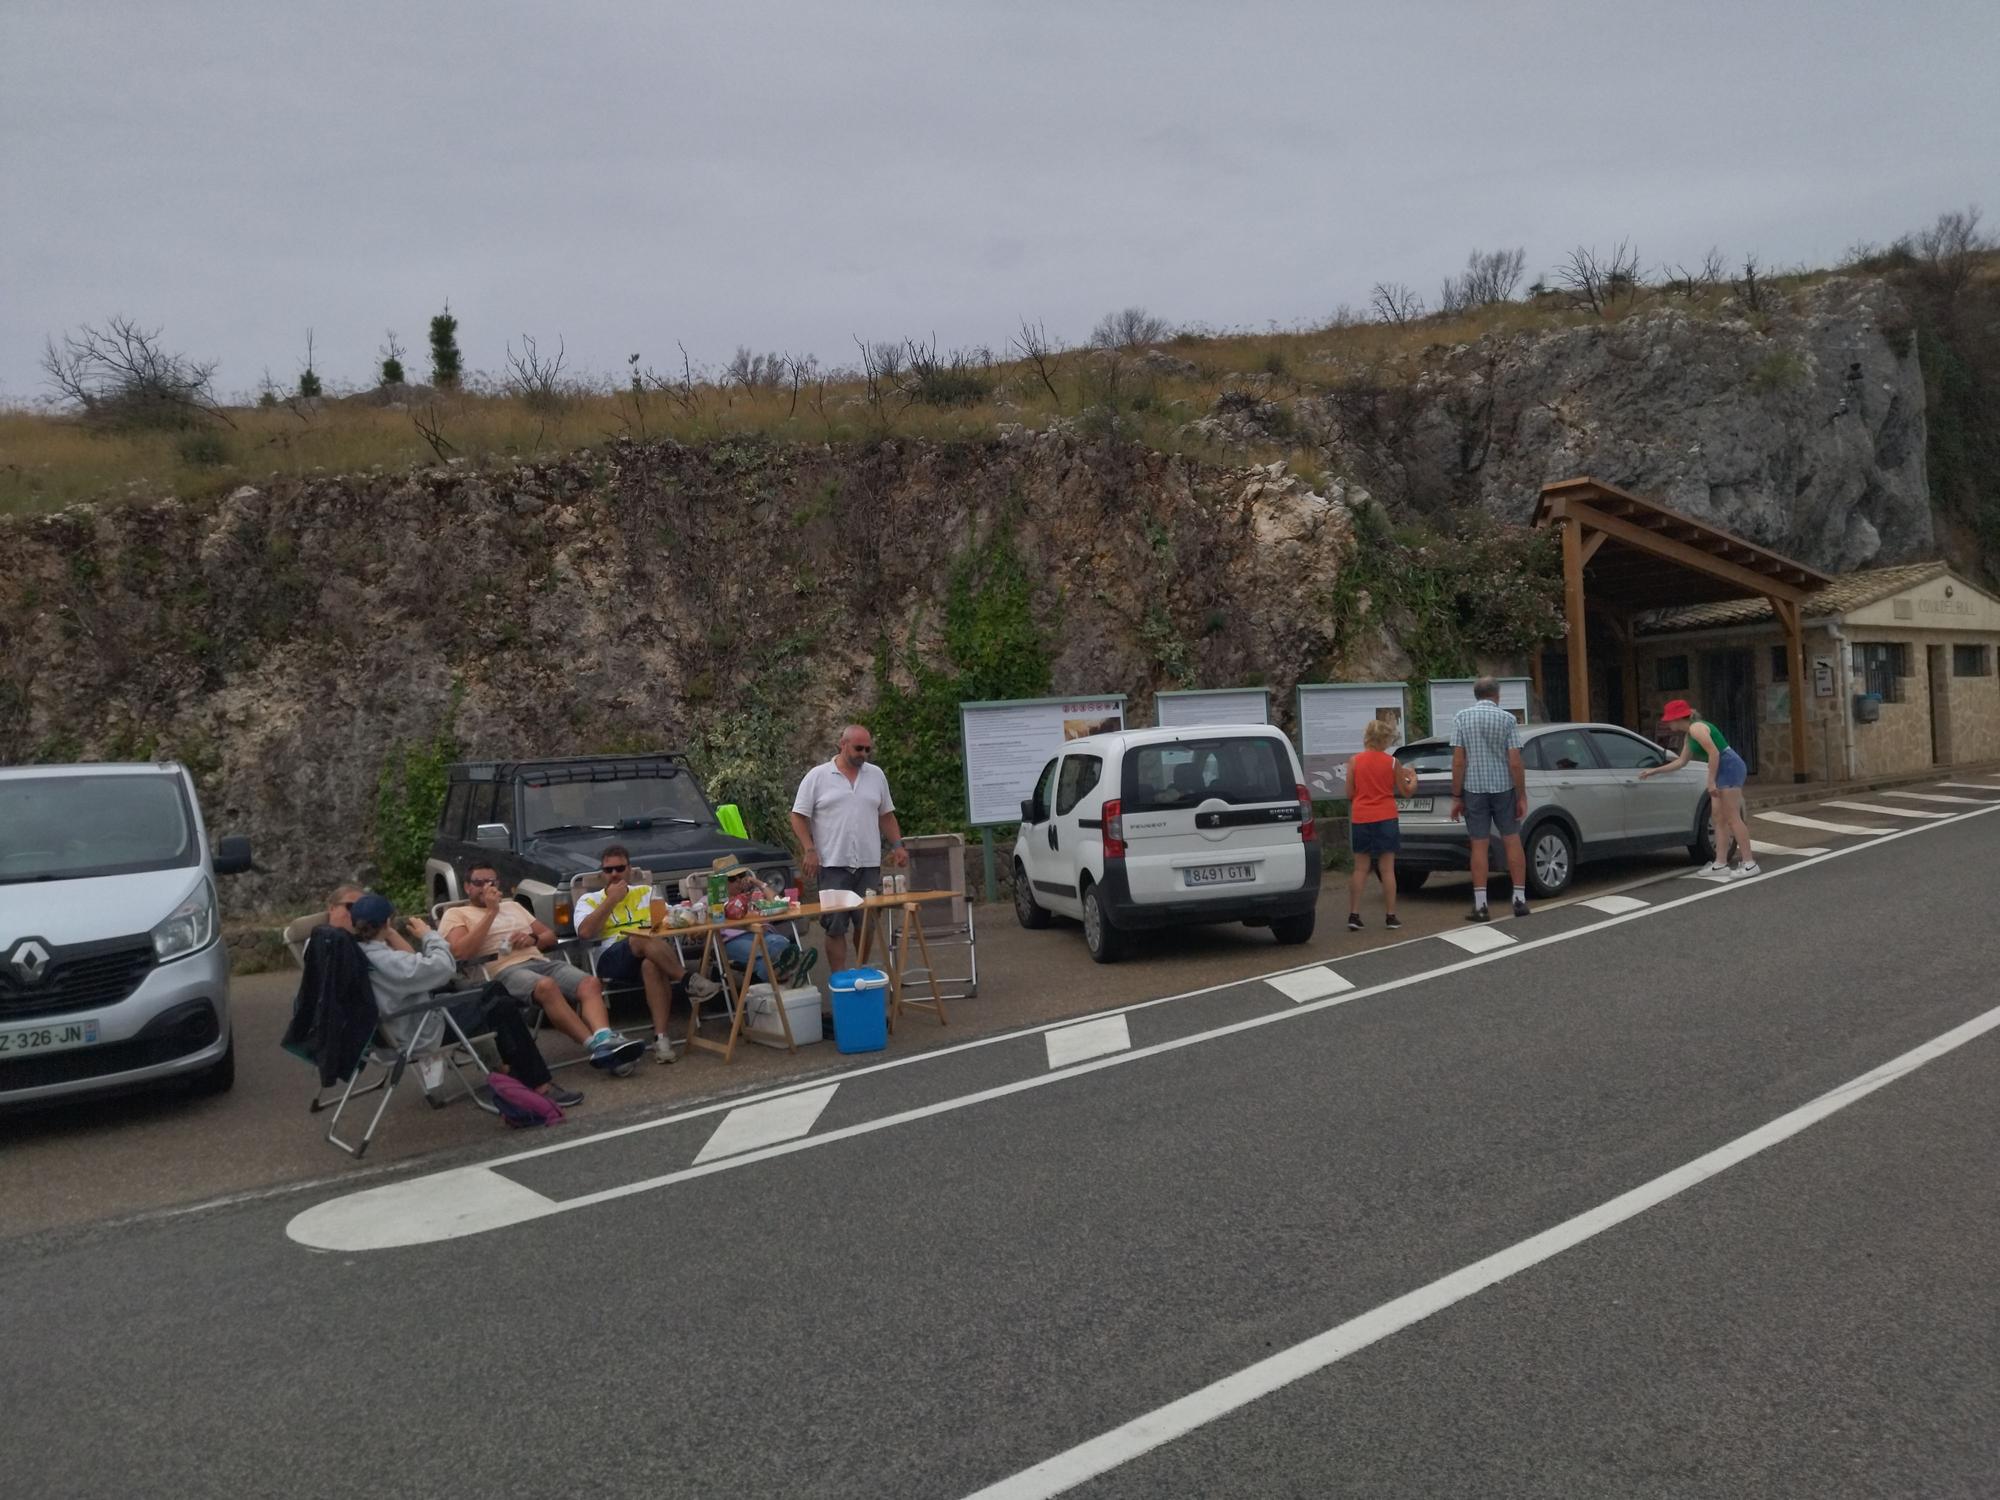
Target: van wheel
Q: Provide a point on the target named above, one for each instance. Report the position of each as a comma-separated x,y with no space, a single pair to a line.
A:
1291,931
1026,907
1104,941
1551,860
1408,880
218,1077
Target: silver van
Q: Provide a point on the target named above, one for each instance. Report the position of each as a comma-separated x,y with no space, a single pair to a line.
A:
112,969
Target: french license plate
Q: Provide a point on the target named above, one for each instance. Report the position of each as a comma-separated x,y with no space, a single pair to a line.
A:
1219,874
51,1036
1413,804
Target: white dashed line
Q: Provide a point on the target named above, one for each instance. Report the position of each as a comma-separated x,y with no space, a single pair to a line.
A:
1972,786
1477,939
1308,984
1075,1044
1613,906
1820,825
1764,846
766,1124
1889,812
1938,797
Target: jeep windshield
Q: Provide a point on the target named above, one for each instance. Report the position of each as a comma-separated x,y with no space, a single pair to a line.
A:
606,806
73,827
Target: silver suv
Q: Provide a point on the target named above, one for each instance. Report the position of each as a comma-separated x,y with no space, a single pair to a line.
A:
112,972
1585,801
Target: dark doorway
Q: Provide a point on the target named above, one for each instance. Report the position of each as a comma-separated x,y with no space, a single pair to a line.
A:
1729,699
1937,660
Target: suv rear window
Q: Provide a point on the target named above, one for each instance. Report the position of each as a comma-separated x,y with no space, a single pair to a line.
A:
1237,769
1428,758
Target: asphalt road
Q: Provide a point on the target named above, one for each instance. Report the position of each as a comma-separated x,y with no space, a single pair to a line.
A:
933,1276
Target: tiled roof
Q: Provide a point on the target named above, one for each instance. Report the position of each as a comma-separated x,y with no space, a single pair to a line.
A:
1846,592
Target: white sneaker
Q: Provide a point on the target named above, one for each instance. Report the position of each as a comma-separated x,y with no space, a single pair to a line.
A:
663,1050
1720,867
701,987
430,1073
1753,868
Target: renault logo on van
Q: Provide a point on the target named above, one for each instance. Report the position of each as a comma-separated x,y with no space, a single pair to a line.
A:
30,959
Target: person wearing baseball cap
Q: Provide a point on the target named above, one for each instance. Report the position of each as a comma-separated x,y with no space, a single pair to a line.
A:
1705,742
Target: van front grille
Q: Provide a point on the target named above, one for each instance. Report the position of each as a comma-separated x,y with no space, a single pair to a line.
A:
85,976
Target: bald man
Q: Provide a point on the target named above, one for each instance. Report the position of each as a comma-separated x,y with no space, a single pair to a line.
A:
842,815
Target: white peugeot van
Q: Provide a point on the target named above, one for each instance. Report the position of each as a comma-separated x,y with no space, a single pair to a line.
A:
112,971
1165,827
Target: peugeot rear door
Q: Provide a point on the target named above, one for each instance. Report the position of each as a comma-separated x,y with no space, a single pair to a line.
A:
1210,818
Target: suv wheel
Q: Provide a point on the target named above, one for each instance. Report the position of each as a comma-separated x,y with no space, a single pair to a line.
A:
1551,860
1026,907
1291,931
219,1077
1104,941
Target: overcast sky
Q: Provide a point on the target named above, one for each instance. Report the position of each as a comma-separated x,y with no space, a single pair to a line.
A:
787,175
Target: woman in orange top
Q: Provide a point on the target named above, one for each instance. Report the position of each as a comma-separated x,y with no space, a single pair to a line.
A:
1374,781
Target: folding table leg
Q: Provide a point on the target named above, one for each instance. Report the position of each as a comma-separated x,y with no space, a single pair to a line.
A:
758,947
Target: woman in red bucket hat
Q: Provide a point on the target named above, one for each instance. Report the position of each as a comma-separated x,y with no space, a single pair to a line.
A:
1705,742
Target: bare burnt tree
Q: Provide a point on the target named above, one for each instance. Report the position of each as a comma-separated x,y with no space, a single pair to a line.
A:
1489,276
1035,346
1751,286
536,378
880,365
120,375
1949,248
1688,281
1393,302
1597,281
1130,328
954,379
799,371
755,372
686,392
429,422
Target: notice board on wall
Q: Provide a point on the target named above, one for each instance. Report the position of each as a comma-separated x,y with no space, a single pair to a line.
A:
1332,717
1006,744
1212,706
1450,694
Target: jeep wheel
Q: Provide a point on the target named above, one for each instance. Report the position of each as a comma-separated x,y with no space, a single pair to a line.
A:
1104,941
1026,907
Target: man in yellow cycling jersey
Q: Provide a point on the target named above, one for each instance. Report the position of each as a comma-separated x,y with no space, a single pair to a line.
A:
623,913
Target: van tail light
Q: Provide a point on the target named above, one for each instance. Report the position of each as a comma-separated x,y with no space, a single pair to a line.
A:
1306,829
1114,830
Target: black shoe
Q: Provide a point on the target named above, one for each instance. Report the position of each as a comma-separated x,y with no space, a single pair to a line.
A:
1353,921
566,1098
1392,922
1520,906
1479,914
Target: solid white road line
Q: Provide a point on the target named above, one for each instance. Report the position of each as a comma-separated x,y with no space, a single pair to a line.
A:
1612,906
1075,1044
1309,984
1143,1434
1765,846
766,1124
1972,786
1793,820
1714,877
325,1225
1936,797
1477,939
1877,807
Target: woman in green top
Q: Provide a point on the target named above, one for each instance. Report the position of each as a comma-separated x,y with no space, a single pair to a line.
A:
1727,772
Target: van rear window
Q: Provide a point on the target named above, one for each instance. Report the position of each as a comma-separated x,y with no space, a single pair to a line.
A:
1237,769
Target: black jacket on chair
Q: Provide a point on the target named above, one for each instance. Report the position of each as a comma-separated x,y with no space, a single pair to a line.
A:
333,1015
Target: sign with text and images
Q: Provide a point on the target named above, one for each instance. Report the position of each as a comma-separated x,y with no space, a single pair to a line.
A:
1007,743
1332,718
1212,706
1450,694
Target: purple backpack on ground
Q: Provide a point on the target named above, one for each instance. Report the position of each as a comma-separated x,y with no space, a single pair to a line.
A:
519,1105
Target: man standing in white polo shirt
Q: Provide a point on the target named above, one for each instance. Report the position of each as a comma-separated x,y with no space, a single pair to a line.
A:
841,815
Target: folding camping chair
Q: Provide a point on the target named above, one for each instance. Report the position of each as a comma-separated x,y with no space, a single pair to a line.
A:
937,863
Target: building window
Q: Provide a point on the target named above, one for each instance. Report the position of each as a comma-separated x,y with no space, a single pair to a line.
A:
1781,666
1673,674
1971,661
1882,666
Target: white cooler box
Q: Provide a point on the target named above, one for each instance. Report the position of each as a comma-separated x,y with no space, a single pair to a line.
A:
760,1019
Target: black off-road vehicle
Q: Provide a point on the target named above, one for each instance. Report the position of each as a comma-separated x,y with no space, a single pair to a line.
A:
543,821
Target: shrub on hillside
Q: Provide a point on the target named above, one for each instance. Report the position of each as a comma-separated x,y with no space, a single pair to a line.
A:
121,376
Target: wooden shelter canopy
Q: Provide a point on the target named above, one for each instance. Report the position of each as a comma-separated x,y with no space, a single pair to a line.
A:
1643,556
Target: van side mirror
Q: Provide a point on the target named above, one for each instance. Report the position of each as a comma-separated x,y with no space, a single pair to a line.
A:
492,836
231,855
1033,811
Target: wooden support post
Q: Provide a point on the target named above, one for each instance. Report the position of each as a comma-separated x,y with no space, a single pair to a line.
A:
1787,611
1579,650
1535,684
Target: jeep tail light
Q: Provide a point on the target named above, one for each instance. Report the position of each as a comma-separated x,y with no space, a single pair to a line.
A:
1114,829
1306,829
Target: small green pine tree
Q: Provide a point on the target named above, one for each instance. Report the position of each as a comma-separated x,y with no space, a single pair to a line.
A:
392,371
309,385
444,350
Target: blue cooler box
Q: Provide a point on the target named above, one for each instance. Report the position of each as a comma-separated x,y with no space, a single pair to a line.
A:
860,1010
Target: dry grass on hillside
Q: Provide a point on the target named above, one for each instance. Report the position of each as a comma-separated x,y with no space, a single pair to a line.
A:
48,461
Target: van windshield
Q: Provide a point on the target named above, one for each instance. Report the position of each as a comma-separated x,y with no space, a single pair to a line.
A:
72,827
1236,769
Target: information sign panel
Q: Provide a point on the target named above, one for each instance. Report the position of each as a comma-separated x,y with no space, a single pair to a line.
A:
1450,694
1007,744
1212,706
1332,716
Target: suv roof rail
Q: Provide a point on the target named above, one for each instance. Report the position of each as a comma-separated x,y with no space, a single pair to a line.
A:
560,770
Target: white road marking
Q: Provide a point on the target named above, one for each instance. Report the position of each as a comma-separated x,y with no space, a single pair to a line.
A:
418,1210
1142,1434
766,1124
1477,939
1972,786
1937,797
1765,846
1080,1043
1793,820
1309,984
1612,906
1714,877
326,1218
1892,812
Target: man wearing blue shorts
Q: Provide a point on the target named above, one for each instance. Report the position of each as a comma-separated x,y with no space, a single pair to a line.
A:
1489,790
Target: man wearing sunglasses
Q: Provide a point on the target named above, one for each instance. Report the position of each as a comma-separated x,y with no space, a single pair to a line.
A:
511,944
841,815
625,914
